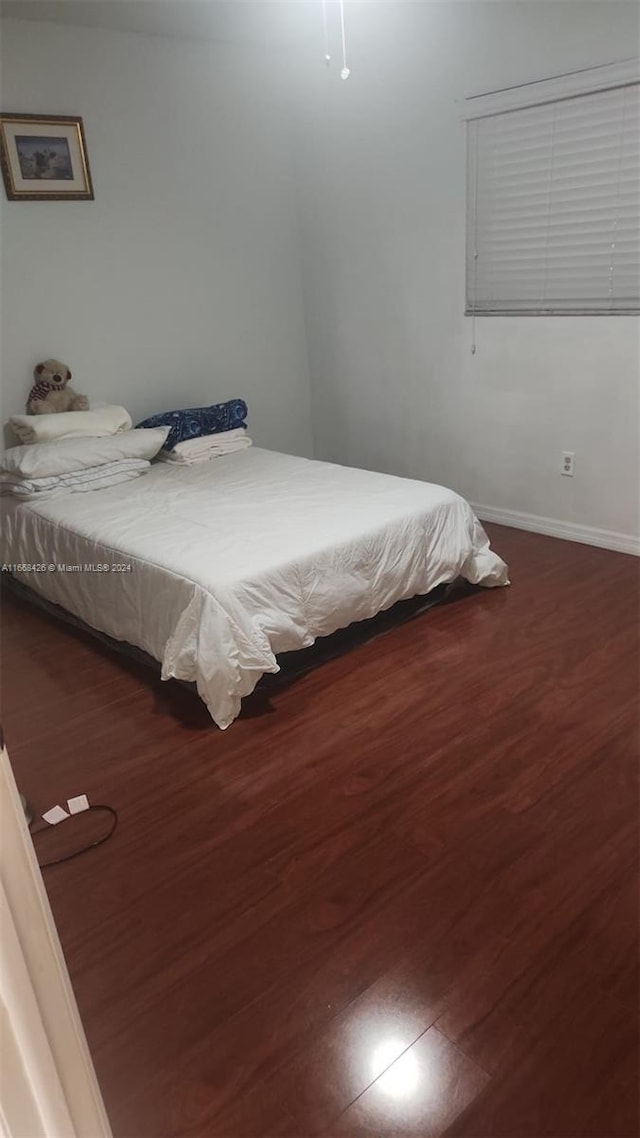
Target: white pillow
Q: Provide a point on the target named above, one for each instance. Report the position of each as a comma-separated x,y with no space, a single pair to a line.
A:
41,460
103,419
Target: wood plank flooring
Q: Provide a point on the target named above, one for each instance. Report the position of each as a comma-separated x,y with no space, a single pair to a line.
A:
397,897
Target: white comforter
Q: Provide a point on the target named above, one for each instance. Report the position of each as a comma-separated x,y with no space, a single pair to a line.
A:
226,564
76,481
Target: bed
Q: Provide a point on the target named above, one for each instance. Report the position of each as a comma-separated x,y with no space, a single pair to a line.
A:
216,569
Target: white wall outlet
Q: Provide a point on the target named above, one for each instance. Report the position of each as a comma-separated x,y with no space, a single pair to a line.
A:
568,460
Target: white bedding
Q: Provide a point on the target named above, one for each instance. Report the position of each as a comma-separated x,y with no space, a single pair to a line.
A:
77,481
205,447
224,565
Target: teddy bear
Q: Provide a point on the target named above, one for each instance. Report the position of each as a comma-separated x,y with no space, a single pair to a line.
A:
50,392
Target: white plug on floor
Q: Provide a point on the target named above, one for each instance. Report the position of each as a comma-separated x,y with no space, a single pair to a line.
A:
78,804
54,815
58,813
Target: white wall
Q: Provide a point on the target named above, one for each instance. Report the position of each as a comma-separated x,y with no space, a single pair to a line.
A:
179,284
382,198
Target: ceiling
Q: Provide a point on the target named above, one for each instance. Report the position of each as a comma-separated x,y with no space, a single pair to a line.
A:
246,21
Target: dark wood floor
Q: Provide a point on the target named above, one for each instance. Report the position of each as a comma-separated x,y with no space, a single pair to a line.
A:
399,897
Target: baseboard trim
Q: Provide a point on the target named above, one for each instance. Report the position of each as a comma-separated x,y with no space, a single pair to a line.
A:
568,531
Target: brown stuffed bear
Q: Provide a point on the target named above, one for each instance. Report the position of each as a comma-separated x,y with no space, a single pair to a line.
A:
50,392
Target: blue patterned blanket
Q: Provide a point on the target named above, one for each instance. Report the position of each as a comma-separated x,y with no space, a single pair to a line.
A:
193,422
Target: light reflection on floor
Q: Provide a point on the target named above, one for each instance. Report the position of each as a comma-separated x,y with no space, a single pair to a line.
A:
399,1079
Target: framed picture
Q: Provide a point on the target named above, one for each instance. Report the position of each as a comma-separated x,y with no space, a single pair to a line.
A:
44,158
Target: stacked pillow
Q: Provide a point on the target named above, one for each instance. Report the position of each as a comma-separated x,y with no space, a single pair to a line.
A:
76,465
77,451
102,420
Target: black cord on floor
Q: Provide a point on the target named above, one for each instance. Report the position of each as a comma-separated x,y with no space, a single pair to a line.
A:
83,849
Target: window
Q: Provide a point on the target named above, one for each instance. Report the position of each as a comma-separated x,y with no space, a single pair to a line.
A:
553,196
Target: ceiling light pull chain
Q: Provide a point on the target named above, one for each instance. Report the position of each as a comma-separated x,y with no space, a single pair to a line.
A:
325,32
345,72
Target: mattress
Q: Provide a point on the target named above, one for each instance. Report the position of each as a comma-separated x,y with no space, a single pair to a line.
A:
217,568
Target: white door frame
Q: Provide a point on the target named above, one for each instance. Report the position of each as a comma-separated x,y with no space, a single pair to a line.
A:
48,1085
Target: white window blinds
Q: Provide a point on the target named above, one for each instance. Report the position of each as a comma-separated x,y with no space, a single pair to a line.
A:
553,197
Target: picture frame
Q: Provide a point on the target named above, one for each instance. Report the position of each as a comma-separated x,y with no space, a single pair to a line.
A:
44,158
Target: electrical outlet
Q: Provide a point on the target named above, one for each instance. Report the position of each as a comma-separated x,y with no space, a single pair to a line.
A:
568,460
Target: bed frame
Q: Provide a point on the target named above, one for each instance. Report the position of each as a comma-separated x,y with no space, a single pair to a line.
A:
292,664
